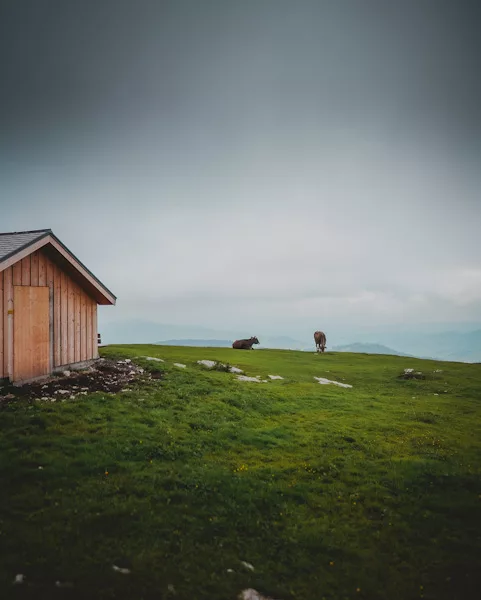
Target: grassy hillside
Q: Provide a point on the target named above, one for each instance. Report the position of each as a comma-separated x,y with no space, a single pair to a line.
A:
370,492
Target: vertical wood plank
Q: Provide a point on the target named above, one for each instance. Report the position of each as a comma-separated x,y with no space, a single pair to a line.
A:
88,328
49,278
57,301
4,318
17,273
34,269
8,321
26,270
83,326
42,268
94,331
64,317
2,338
71,321
78,329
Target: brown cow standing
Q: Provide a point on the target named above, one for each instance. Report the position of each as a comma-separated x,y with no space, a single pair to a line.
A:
320,339
245,344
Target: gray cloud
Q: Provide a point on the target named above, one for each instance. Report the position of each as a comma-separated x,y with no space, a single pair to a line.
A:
252,164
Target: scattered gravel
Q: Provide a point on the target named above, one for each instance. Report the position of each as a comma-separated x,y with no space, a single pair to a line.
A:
104,375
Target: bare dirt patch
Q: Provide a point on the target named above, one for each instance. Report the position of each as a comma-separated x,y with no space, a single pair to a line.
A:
103,376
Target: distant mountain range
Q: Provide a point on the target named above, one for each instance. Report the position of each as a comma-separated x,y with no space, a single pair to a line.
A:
146,332
369,349
200,343
287,344
281,342
463,346
448,345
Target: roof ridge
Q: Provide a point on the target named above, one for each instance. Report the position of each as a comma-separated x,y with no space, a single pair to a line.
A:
23,240
31,231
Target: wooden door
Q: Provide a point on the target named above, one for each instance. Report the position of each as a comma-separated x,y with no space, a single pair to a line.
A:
31,343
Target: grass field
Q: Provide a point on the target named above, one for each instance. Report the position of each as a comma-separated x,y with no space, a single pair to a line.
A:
372,492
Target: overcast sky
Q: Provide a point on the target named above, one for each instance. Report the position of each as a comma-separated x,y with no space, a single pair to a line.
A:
251,164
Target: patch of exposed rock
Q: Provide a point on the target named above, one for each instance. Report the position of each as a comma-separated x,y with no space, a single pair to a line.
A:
104,375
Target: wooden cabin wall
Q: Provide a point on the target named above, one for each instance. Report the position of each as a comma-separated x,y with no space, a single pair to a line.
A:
73,313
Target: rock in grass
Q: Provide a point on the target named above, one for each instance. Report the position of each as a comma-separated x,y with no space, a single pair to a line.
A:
324,381
411,374
122,570
251,594
210,364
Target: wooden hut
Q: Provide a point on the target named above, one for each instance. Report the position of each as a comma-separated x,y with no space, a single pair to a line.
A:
48,307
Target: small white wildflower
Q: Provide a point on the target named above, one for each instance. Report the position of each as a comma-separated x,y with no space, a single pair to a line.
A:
120,570
251,594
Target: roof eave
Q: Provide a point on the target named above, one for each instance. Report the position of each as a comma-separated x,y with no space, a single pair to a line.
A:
11,257
105,296
109,297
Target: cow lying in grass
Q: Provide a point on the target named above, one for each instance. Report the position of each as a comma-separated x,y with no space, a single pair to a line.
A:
245,344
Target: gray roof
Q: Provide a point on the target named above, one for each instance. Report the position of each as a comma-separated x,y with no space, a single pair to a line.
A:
11,243
15,242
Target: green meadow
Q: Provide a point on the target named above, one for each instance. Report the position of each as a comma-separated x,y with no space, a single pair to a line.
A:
370,492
